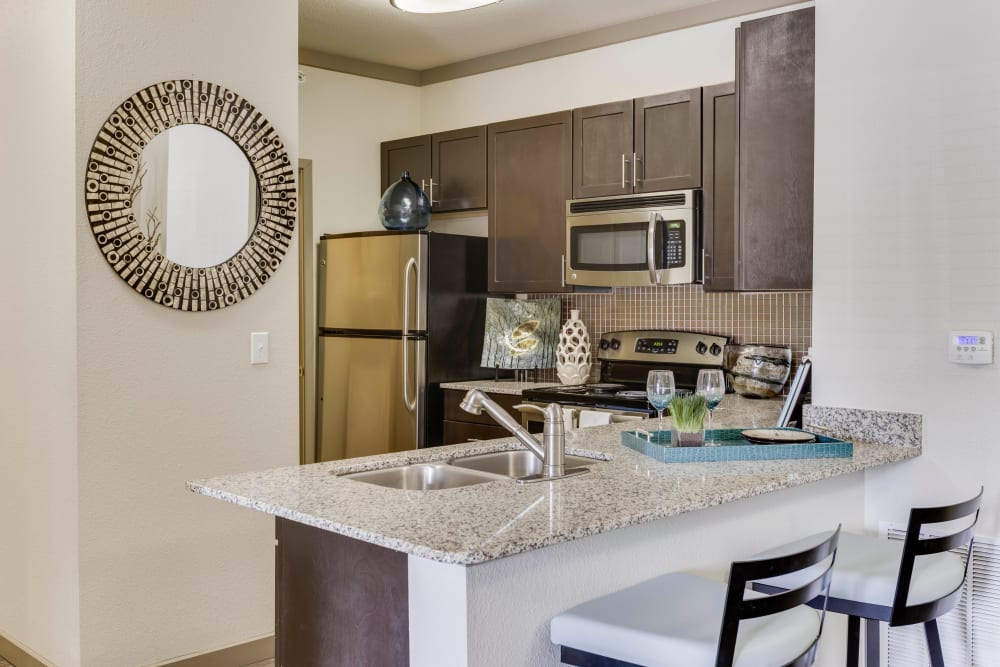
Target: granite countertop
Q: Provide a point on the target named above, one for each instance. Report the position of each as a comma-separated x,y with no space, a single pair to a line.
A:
478,523
495,387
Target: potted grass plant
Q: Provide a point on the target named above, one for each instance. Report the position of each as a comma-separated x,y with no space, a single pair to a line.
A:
688,416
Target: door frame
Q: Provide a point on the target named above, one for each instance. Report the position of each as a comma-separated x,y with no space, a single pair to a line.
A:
307,317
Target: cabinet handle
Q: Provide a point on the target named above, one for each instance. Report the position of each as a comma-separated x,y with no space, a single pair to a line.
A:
431,196
623,171
704,268
562,272
635,164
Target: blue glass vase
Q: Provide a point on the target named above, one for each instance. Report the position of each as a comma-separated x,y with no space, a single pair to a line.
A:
404,205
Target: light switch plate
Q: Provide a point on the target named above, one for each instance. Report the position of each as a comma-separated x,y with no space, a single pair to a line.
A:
970,347
259,347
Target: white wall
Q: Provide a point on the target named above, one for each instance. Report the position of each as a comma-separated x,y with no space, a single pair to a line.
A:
39,576
166,396
907,244
698,56
342,120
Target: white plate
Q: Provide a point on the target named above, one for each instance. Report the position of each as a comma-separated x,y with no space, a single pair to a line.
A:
776,435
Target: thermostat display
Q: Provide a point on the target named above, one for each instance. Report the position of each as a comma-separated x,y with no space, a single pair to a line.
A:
970,347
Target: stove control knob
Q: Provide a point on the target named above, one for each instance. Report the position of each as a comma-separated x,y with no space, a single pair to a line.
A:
701,348
604,344
615,343
715,349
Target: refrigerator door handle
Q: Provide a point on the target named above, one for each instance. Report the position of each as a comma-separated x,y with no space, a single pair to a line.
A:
411,403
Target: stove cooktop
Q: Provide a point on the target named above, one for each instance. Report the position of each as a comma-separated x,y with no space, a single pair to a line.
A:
604,395
626,358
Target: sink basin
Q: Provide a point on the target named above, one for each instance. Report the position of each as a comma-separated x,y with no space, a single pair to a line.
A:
516,463
423,477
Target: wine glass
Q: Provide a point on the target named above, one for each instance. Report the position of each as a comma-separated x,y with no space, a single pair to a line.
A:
711,386
660,391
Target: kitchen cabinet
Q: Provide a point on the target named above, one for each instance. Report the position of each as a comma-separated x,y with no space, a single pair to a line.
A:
449,166
461,426
648,144
530,178
339,601
412,154
719,186
775,84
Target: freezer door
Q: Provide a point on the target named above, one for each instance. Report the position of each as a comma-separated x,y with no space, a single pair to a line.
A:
365,407
367,282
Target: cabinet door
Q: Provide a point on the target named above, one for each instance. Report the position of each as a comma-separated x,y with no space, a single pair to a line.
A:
412,154
602,150
668,141
775,71
719,185
530,174
459,167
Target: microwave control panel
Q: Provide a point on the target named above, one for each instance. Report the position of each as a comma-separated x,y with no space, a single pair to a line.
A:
970,347
674,247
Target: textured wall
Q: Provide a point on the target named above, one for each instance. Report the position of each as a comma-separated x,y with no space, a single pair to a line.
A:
38,459
907,245
167,396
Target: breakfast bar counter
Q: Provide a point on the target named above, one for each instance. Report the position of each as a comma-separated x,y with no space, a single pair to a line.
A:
473,556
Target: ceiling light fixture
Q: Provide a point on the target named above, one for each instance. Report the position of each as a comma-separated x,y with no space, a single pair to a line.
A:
439,6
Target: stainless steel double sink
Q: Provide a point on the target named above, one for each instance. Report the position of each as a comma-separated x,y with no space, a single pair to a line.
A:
461,471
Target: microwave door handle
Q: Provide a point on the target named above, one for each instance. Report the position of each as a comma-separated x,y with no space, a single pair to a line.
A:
654,276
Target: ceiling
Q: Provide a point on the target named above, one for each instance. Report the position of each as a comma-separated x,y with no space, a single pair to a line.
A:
374,31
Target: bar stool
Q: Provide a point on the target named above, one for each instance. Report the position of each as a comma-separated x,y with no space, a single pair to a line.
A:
883,580
681,620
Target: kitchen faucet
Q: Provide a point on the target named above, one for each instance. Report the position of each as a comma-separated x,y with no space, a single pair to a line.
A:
552,452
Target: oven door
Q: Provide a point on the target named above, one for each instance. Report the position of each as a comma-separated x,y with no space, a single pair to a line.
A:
631,248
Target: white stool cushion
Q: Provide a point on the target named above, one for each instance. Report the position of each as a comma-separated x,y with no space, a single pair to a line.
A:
867,567
675,620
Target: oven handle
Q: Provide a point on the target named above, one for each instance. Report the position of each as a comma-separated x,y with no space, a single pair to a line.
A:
654,276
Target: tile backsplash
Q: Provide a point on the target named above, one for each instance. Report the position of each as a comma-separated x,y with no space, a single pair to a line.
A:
776,318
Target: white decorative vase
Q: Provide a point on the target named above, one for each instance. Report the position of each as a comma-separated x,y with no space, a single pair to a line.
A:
573,351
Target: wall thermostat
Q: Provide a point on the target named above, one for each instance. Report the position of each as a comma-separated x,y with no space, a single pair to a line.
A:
970,347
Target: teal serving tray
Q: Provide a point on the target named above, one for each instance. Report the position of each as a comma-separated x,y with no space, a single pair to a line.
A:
730,445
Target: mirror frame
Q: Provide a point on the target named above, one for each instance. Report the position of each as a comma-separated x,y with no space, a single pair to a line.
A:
112,181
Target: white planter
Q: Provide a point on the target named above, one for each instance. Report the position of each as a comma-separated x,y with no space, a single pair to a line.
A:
573,351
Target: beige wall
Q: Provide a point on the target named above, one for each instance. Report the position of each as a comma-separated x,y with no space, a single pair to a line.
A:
342,120
907,245
38,458
165,396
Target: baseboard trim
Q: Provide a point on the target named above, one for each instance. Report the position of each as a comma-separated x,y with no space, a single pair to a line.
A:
246,653
19,656
231,656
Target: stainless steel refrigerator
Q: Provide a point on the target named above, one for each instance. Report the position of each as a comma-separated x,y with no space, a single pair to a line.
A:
398,313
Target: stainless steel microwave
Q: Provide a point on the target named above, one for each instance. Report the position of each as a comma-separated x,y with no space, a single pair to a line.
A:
634,240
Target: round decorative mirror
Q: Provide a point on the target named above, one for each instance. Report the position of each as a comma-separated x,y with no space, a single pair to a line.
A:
190,195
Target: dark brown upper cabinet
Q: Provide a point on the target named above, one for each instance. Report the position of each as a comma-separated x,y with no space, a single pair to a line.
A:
648,144
412,154
530,178
450,167
602,150
458,162
719,186
775,92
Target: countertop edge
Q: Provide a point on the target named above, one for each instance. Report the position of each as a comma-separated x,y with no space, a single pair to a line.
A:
476,557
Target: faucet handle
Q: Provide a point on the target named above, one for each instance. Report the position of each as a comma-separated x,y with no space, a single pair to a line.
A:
552,411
